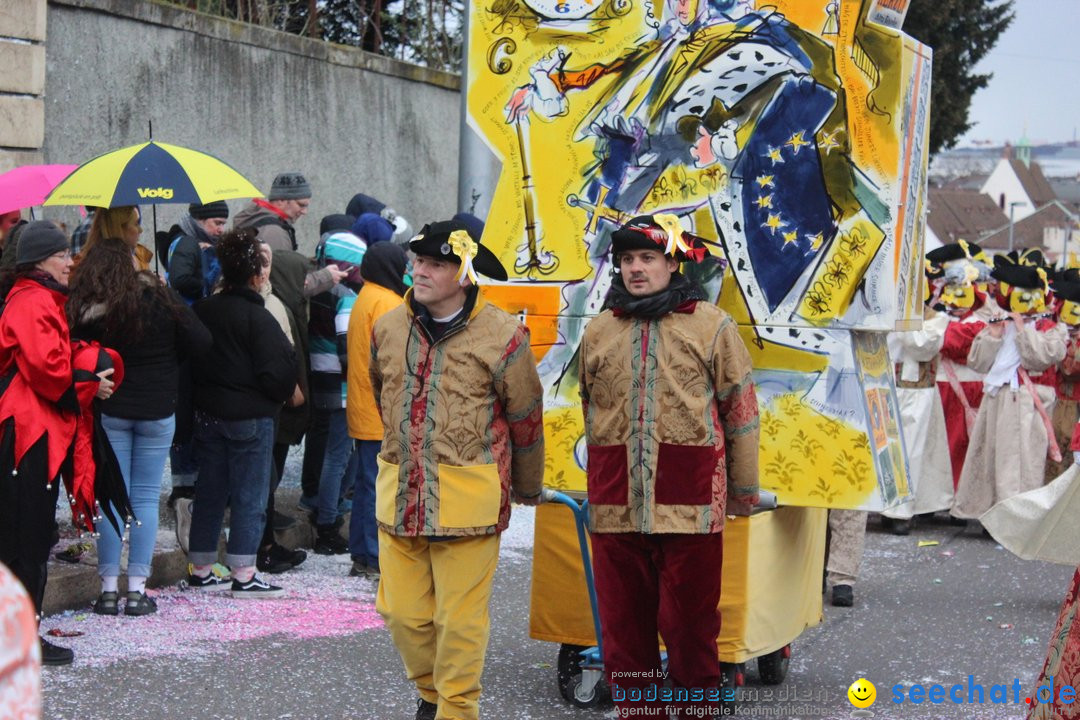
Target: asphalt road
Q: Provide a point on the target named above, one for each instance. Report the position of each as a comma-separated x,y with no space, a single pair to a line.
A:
926,615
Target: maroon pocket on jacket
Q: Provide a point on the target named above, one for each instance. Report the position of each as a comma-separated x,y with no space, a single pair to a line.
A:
684,474
609,478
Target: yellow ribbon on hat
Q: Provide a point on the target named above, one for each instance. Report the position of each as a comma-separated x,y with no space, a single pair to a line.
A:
670,225
465,248
1045,281
965,247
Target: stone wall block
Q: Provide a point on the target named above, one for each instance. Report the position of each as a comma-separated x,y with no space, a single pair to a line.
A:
23,19
24,68
22,122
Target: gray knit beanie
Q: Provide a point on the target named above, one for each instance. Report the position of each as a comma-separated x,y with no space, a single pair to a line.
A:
289,186
39,240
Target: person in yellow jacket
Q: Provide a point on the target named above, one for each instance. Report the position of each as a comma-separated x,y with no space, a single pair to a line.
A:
462,408
383,272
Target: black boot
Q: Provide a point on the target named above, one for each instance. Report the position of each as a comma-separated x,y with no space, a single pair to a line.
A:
425,710
329,541
843,596
55,655
276,558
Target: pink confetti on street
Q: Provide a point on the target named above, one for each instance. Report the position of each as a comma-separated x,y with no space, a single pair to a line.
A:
198,623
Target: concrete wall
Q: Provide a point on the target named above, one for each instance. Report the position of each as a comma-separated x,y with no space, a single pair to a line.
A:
22,81
261,100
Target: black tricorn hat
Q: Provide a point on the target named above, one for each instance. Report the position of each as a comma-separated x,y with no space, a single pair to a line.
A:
646,232
1067,275
433,240
1067,290
1032,256
953,251
1021,276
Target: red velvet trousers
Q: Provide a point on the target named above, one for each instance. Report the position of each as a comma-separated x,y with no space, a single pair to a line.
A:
659,584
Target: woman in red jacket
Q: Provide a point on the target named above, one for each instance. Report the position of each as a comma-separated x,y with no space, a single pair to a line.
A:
39,410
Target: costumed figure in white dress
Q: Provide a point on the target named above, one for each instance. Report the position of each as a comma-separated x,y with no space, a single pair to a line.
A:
1013,432
915,353
961,295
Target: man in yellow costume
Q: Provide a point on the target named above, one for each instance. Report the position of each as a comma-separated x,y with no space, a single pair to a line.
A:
461,404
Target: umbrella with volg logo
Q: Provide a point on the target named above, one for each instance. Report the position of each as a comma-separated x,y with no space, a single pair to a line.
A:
151,173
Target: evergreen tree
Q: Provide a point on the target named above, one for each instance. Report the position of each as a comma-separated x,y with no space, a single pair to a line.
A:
352,22
961,32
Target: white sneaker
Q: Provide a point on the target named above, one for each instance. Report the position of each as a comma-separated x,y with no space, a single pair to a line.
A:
183,522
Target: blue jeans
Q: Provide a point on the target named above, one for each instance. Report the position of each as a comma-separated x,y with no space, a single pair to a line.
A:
339,447
235,459
363,532
184,464
141,447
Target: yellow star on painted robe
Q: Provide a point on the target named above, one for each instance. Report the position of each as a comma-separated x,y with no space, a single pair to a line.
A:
774,223
774,155
815,241
765,181
765,201
796,142
791,237
829,141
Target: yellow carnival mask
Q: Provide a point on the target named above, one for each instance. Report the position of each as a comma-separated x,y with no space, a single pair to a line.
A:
1070,314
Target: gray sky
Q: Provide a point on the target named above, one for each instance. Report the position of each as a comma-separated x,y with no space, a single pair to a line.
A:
1035,63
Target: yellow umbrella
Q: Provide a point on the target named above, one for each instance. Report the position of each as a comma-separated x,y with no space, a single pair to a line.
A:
151,173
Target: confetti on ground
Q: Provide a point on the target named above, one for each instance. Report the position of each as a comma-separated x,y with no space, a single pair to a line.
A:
947,553
1006,626
937,581
320,601
928,543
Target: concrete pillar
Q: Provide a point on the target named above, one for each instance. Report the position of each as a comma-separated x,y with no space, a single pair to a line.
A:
22,83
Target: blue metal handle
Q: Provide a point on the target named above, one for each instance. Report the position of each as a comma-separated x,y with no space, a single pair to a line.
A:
581,520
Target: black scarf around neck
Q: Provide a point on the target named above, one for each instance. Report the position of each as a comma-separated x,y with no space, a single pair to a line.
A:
44,278
678,292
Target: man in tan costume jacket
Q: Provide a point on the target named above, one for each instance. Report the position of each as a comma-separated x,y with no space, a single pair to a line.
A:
671,422
461,404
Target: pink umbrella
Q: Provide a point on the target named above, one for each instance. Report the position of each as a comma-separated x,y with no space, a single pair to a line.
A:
28,185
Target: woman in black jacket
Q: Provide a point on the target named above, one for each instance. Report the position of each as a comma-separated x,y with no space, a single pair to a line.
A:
153,330
240,386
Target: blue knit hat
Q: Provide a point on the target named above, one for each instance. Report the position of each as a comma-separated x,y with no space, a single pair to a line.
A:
373,228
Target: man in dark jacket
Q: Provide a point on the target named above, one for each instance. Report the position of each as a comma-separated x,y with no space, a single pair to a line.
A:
290,195
192,261
274,217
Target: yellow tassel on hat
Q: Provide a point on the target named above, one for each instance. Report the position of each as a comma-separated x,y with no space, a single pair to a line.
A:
670,225
465,248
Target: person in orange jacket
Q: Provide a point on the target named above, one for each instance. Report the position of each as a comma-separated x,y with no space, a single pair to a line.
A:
383,272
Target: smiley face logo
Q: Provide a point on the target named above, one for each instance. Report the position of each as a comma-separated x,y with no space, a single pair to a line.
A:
862,693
